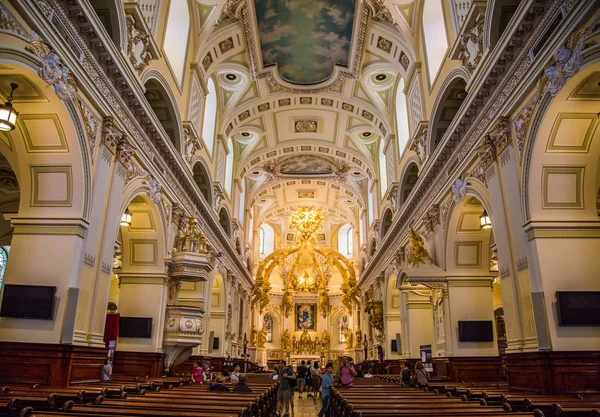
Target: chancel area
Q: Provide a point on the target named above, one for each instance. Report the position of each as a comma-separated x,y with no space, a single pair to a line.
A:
250,181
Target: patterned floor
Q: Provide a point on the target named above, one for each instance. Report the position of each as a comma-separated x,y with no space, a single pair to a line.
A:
305,407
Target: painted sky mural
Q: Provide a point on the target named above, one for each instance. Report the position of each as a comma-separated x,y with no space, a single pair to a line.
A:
305,37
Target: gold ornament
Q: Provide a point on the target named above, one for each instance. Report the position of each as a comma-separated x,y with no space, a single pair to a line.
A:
418,253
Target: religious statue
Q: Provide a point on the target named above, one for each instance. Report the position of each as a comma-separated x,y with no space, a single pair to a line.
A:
294,344
358,334
262,338
288,303
305,344
253,335
317,344
323,303
324,341
418,252
349,339
286,342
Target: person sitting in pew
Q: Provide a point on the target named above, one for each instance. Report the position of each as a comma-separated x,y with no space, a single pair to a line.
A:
407,375
420,374
217,384
242,385
234,378
275,374
369,373
106,371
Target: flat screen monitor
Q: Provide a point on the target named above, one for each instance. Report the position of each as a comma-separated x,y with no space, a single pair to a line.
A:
140,327
475,331
578,308
28,301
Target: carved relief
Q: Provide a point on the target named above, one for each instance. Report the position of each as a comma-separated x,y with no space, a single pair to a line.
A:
52,70
471,41
138,45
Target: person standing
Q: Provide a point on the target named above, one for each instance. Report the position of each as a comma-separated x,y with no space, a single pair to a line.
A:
301,375
347,373
315,375
197,373
284,392
308,379
326,390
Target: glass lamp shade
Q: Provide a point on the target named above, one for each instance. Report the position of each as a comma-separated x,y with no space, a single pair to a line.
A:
484,221
8,117
126,218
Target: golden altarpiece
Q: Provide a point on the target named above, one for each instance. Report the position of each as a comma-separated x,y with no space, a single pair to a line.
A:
305,300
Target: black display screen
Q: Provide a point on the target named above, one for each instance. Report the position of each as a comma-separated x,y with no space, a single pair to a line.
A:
28,301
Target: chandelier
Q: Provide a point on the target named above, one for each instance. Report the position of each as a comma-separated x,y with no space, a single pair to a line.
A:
307,221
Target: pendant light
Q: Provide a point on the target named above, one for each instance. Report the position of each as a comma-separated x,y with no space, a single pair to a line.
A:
126,218
8,114
484,221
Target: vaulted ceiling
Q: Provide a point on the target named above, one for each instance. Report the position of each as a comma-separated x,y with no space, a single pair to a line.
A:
306,89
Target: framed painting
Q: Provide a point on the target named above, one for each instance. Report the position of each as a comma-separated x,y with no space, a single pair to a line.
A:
306,316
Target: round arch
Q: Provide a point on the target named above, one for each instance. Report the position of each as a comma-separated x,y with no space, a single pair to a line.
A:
163,104
225,220
386,222
203,180
408,180
447,104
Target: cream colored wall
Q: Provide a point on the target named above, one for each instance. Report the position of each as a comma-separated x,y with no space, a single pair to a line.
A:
560,274
420,318
471,303
143,298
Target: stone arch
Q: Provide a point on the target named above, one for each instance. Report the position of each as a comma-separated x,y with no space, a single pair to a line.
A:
217,313
386,222
203,180
225,220
142,265
408,180
112,16
392,315
446,106
548,145
163,104
561,178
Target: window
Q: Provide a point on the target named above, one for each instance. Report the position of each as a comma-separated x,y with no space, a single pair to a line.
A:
176,37
349,241
382,168
434,32
266,237
229,168
3,260
342,329
242,202
268,325
401,118
209,119
345,240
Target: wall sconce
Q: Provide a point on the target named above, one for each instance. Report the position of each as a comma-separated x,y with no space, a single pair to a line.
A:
8,114
484,221
126,218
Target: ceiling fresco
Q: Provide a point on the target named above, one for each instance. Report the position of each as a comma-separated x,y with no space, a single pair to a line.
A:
305,37
305,165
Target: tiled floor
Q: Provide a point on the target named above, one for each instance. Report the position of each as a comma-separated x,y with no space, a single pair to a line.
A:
305,407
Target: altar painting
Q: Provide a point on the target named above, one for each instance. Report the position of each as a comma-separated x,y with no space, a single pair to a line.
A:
306,316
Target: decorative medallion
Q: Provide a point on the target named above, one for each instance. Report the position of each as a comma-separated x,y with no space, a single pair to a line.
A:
226,45
305,126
